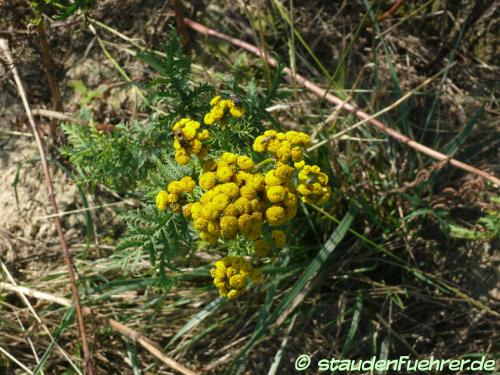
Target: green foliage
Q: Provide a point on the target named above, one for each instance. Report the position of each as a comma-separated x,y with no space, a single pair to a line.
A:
87,94
123,158
59,10
159,235
117,160
137,159
487,227
172,86
236,136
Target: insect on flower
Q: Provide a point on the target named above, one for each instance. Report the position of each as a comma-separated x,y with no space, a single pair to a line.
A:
180,137
236,99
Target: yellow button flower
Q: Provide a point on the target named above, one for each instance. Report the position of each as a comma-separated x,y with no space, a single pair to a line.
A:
231,210
215,100
208,180
162,200
276,194
243,205
245,163
224,174
248,192
187,184
237,281
261,248
275,215
181,157
271,178
279,238
229,157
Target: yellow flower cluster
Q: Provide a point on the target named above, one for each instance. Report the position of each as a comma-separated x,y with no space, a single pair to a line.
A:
280,193
188,139
313,185
220,107
262,248
173,195
232,202
238,199
284,147
231,274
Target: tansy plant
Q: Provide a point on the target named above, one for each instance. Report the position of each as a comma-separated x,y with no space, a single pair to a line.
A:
211,172
237,196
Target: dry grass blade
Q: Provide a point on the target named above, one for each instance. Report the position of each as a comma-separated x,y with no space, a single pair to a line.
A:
132,334
33,312
14,359
391,11
348,107
68,118
4,47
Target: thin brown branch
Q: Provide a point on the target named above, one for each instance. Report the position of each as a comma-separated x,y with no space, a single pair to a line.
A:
181,25
39,320
391,11
48,65
68,118
346,106
4,47
132,334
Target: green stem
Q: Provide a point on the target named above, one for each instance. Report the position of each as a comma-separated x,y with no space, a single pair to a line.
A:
263,162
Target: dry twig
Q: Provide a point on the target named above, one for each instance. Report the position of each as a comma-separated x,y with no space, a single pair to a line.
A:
48,64
346,106
390,12
132,334
4,47
61,116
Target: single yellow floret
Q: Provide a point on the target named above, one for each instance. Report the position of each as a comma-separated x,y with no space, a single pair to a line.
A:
261,248
243,205
233,293
224,174
208,180
174,187
187,184
209,119
231,190
231,210
237,281
245,163
220,201
279,238
237,112
215,100
229,157
201,224
186,210
181,157
276,194
162,200
248,192
275,215
260,143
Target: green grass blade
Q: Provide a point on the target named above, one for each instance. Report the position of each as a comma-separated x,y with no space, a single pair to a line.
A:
453,145
67,320
358,307
281,350
308,275
197,319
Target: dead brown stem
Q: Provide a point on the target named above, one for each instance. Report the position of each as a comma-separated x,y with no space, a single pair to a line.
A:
346,106
132,334
68,118
181,25
4,47
48,65
390,12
